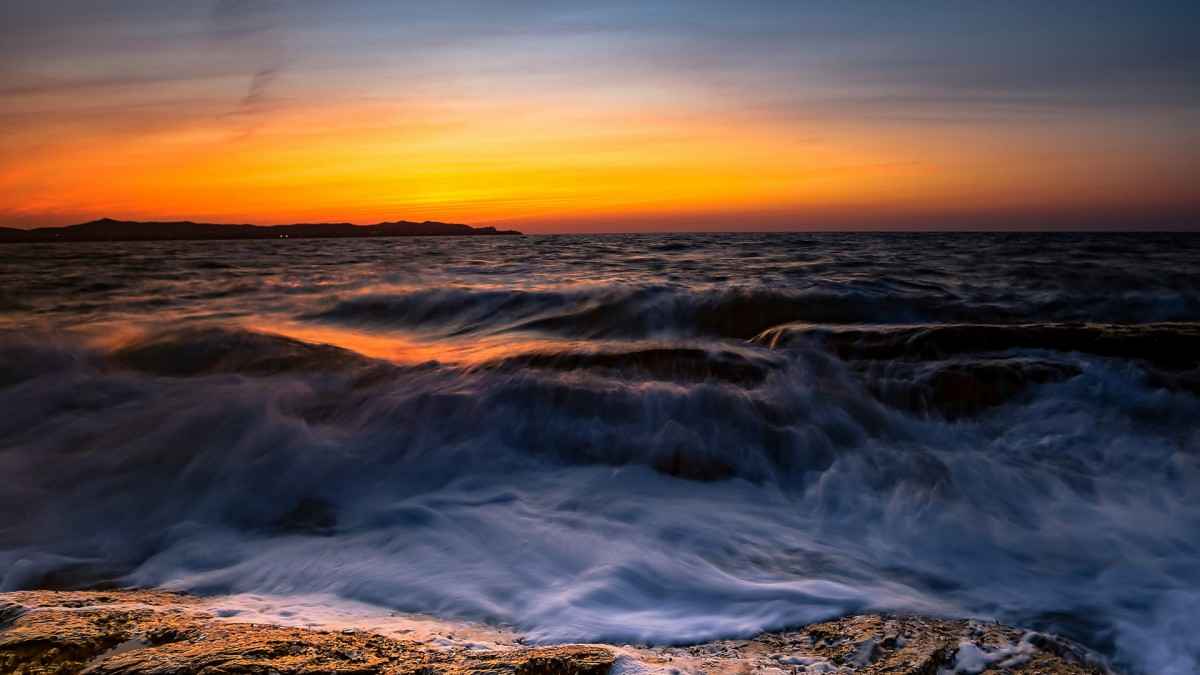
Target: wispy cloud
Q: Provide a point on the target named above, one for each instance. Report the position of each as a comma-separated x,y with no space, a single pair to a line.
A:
252,31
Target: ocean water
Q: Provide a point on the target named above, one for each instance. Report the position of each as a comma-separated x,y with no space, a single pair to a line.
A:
658,438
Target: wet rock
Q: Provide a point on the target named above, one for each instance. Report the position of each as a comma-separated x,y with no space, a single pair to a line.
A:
153,633
158,633
897,645
80,627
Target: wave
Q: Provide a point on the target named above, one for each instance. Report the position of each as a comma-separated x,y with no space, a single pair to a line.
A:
639,312
213,349
622,312
546,493
1174,346
964,369
669,363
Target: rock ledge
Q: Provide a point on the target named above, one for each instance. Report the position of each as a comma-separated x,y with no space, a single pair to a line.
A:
140,632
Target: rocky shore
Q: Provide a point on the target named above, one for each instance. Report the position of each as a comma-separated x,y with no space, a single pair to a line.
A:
142,632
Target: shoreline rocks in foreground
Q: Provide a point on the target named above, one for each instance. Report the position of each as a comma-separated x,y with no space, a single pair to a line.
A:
143,632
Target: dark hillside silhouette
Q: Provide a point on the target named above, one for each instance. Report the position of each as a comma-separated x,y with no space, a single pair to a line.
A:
108,229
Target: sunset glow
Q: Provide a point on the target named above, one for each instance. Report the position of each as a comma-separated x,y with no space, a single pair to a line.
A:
694,117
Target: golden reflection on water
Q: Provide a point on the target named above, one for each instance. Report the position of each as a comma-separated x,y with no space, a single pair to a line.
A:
407,350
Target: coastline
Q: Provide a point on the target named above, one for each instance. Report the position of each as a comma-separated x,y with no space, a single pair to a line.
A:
110,230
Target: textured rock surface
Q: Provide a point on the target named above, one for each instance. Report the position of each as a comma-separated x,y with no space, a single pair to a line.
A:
159,633
151,632
897,645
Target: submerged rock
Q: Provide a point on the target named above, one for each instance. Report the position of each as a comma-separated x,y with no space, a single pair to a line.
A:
159,633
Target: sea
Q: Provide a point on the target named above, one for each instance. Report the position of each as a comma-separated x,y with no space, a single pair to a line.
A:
657,439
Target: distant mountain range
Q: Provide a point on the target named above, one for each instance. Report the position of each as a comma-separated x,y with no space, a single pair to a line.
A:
108,229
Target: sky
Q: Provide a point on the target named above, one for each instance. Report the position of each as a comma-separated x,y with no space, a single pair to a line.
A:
604,116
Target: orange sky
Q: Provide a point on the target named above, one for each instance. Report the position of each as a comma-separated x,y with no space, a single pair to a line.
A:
581,135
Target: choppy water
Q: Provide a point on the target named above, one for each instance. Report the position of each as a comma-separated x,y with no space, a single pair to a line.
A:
624,438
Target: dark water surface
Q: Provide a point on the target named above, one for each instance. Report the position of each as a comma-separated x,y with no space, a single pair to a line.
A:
661,438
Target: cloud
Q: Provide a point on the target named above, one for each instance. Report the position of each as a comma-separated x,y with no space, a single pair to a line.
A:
253,33
258,86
